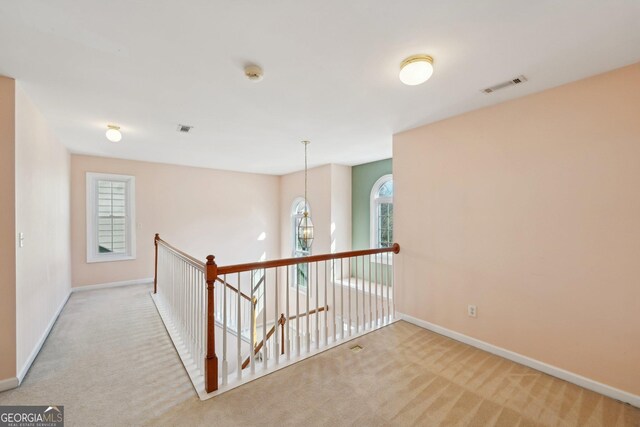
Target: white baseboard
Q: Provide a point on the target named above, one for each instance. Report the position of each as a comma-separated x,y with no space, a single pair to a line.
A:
145,281
9,383
571,377
25,368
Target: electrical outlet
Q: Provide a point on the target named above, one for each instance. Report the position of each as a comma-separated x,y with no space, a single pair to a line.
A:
472,310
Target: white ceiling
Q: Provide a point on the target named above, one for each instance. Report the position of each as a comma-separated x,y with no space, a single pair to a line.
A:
330,68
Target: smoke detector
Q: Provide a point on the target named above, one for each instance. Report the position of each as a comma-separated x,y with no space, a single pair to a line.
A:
253,73
515,81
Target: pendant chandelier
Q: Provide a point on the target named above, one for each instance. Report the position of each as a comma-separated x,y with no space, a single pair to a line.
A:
305,226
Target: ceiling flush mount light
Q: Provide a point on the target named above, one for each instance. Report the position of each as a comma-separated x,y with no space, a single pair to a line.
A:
253,73
305,226
113,133
416,69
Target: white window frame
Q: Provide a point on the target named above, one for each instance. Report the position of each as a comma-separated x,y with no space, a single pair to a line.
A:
373,216
295,220
93,255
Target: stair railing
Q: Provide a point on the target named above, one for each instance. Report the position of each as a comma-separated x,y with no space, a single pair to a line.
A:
184,286
355,285
352,293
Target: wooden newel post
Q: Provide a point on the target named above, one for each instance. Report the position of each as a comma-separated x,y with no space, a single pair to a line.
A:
281,321
155,275
211,361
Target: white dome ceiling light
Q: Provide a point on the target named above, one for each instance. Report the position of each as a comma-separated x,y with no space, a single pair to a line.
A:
113,133
416,69
253,73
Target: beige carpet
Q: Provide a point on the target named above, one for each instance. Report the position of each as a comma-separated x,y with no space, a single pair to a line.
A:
110,362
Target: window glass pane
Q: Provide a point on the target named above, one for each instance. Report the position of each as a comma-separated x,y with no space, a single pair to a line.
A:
384,225
386,189
301,276
383,221
112,210
299,272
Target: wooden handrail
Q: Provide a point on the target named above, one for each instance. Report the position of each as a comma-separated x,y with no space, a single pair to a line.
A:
195,262
242,294
229,269
255,288
281,322
259,346
326,307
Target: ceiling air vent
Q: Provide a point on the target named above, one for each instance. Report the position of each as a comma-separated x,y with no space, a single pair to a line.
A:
518,80
184,128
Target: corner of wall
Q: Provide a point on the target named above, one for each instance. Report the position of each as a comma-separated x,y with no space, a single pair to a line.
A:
7,233
42,205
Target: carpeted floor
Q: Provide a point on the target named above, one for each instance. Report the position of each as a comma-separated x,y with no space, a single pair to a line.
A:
110,362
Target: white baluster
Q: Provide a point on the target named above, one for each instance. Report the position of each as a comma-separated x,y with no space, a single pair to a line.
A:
393,284
388,286
370,295
253,329
326,322
192,318
341,300
375,266
382,289
200,355
276,347
307,331
239,335
297,310
317,304
356,292
287,323
225,364
349,291
264,318
362,295
364,315
334,308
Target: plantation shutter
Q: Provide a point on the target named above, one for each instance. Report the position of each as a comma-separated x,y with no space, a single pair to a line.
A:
112,217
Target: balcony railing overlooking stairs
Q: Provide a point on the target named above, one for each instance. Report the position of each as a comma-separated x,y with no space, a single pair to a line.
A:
232,324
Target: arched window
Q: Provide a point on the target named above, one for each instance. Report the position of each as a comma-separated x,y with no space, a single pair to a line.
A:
300,274
382,212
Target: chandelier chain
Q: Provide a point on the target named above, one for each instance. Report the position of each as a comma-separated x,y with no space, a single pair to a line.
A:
306,143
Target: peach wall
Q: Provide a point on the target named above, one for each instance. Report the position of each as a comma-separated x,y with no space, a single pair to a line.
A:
43,269
340,208
202,211
7,233
530,209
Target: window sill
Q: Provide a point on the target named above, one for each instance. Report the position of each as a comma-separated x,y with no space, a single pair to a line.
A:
382,260
96,259
380,290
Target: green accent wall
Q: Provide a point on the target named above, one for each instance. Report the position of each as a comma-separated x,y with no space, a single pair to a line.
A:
362,179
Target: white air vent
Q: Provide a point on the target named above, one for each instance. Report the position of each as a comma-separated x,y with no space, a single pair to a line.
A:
516,81
184,128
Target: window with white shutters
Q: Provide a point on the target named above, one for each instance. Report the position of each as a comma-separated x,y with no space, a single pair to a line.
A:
110,217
